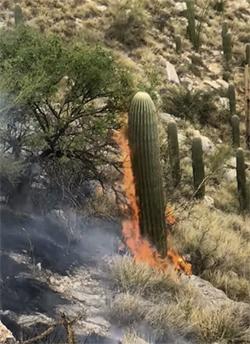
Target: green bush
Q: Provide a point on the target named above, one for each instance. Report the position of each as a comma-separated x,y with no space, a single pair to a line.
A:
69,93
193,105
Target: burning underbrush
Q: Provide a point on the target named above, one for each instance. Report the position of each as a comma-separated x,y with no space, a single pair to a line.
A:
139,247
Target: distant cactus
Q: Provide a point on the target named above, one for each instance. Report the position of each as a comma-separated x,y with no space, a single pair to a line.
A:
198,167
227,48
191,28
174,155
224,30
219,6
235,123
178,44
232,99
145,156
241,180
248,54
18,15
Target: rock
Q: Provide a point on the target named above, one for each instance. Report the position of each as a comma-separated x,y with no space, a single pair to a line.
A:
231,163
32,319
171,73
180,6
224,102
214,68
6,336
217,84
207,145
230,175
167,118
208,201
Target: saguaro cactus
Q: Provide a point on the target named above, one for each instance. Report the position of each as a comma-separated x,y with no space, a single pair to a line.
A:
248,54
18,15
198,168
174,155
224,30
247,103
178,45
145,157
235,123
232,99
227,47
241,180
191,28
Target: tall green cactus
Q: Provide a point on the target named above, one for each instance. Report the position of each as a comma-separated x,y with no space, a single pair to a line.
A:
192,29
18,15
174,154
235,123
145,156
224,30
241,180
227,47
198,168
178,44
232,99
248,54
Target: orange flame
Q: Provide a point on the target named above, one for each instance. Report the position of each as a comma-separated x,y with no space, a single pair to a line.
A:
139,247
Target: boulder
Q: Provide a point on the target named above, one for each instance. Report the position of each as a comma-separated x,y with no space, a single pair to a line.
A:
6,336
171,73
180,7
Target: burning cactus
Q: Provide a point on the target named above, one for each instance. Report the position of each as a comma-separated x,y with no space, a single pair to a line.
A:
146,166
241,180
198,168
235,122
174,156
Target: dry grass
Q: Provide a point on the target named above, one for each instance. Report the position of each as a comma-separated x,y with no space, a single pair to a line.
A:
127,309
131,337
236,287
178,316
140,279
215,240
220,325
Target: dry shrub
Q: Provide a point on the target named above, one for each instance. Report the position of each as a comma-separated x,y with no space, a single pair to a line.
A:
237,288
226,199
131,337
127,309
129,22
169,319
220,325
140,279
209,236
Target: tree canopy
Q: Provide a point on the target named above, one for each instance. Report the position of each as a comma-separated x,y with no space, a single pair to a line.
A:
60,99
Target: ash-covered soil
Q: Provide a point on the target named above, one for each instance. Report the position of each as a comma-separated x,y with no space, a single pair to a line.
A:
49,268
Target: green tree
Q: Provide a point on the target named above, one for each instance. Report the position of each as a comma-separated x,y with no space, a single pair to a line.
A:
67,95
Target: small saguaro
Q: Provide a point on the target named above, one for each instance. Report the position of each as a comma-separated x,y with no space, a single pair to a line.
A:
18,15
241,181
174,154
235,123
198,168
232,99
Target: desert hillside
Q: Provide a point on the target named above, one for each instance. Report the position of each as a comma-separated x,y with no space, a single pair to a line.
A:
125,171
